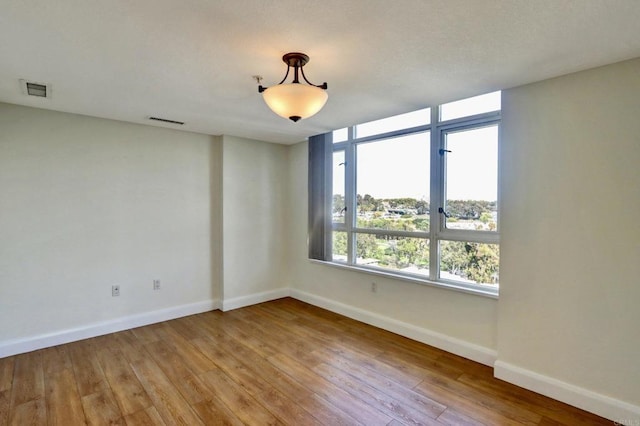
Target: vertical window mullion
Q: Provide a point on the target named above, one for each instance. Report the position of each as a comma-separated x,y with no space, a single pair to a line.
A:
350,196
435,196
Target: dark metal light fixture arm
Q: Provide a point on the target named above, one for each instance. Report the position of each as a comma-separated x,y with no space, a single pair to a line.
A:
286,75
322,86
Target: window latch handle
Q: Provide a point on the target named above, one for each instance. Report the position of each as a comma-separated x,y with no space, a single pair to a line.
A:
442,151
444,212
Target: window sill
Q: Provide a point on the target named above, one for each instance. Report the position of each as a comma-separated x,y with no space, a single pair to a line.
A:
447,285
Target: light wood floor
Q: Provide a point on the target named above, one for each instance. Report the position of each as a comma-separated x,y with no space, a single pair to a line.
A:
282,362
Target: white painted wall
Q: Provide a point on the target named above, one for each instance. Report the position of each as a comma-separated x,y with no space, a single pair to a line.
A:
254,205
86,203
466,318
570,272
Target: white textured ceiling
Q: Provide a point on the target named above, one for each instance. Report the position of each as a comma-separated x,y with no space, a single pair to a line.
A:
192,61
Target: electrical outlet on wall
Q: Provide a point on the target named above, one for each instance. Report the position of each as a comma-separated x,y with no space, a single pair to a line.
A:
115,290
156,284
374,287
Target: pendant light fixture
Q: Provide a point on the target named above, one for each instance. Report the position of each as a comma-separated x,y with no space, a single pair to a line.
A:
295,100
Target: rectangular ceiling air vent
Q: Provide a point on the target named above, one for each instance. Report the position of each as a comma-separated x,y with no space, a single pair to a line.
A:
164,120
31,88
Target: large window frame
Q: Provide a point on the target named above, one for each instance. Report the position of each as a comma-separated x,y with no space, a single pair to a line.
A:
438,231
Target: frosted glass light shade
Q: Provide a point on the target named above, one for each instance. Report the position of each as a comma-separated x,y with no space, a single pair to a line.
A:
295,100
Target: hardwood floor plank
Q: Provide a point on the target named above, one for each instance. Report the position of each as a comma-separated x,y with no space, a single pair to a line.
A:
467,366
64,406
297,330
146,334
130,346
464,406
235,397
327,413
5,404
193,359
285,409
55,359
266,371
175,367
388,386
170,362
386,340
413,366
398,375
101,408
6,372
186,329
451,417
502,406
243,332
527,400
330,392
209,324
276,310
171,406
286,341
549,422
33,413
146,417
214,413
89,375
28,379
341,337
233,367
398,357
305,310
127,389
395,408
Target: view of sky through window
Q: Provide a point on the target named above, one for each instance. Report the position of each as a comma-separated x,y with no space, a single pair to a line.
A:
471,106
472,164
417,118
395,168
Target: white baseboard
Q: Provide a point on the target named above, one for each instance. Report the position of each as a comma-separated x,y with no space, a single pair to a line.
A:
459,347
253,299
18,346
619,411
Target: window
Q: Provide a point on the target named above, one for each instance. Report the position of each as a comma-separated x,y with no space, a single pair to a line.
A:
414,195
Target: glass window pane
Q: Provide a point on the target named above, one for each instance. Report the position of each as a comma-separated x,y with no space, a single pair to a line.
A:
406,254
471,106
473,263
397,122
340,135
339,246
338,208
471,179
393,183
